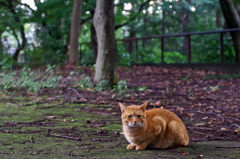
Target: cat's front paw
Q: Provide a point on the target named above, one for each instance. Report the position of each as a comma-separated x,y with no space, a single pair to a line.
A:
138,148
131,147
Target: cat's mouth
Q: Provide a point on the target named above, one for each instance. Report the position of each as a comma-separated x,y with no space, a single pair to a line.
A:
135,125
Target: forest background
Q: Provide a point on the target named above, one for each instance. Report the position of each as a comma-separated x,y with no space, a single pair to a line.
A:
38,33
53,106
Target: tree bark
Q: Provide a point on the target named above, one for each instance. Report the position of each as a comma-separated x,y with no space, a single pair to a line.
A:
185,21
74,35
218,18
94,43
131,43
22,44
104,26
233,21
1,44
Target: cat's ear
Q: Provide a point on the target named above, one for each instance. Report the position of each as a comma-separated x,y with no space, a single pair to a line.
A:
122,107
144,105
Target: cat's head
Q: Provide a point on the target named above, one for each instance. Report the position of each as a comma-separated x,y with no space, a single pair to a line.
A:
133,116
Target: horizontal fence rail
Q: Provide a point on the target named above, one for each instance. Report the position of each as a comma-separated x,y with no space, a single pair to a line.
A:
181,34
188,37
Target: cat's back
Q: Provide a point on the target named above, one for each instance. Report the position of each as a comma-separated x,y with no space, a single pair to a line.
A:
163,113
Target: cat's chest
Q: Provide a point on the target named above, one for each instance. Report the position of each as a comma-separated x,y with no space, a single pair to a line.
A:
133,137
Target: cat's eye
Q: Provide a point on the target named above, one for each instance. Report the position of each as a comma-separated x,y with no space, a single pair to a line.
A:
129,116
139,116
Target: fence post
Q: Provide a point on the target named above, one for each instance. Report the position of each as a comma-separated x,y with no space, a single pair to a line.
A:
136,45
189,49
162,48
80,51
221,47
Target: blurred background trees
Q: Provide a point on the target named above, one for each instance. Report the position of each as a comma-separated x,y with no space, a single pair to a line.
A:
37,32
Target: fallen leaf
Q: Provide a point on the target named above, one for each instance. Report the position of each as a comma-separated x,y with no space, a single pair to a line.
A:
158,103
12,104
199,124
185,153
224,114
51,117
210,122
236,114
218,111
237,131
204,118
200,155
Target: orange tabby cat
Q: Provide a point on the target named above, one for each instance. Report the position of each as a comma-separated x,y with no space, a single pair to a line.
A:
154,128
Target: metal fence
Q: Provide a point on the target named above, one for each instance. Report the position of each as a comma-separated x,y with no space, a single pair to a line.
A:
187,36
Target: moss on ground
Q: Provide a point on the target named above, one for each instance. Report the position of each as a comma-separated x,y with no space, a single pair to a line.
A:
23,134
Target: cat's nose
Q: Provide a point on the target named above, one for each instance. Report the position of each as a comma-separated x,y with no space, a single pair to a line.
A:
135,122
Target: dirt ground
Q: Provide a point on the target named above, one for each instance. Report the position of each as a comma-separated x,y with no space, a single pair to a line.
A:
73,122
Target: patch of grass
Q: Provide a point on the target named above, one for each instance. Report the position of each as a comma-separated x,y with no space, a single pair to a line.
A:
71,120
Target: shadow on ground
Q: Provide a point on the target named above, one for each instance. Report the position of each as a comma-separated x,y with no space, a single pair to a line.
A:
72,131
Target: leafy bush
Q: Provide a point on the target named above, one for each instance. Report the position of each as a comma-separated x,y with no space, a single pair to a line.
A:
6,63
29,80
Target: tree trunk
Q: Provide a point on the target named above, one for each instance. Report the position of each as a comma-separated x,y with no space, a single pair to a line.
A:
218,18
94,42
22,44
74,35
131,43
104,26
185,21
233,21
1,44
163,22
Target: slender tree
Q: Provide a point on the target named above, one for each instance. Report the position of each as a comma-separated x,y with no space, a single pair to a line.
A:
18,26
185,22
1,45
74,35
233,21
104,26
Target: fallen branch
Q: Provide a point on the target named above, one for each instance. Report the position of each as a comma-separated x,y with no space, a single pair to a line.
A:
228,147
32,122
39,103
201,128
79,95
208,113
60,136
34,103
19,132
52,106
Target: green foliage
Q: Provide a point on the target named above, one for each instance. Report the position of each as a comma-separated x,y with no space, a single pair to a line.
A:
29,80
86,55
208,49
149,55
121,87
6,63
84,82
51,50
52,20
